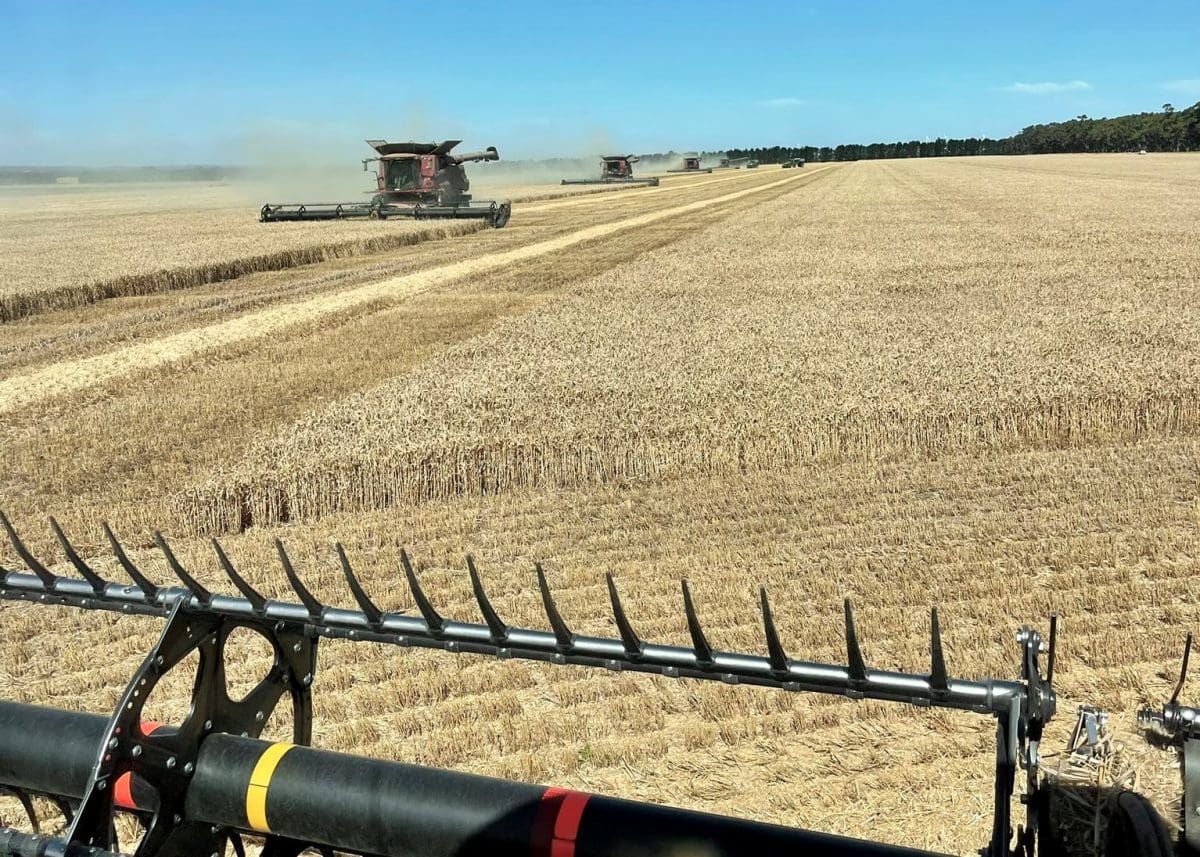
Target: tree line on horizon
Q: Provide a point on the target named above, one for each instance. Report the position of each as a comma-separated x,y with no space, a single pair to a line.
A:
1168,130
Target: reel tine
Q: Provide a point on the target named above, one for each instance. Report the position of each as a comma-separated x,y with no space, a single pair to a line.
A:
856,665
939,678
431,616
495,624
26,805
249,592
85,571
629,638
189,582
1052,650
140,580
311,604
365,604
777,656
64,807
235,839
561,632
700,644
29,559
1183,668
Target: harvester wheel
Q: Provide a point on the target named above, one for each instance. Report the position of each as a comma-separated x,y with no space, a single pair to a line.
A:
1135,829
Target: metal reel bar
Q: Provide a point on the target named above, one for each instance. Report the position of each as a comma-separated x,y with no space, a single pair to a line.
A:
429,629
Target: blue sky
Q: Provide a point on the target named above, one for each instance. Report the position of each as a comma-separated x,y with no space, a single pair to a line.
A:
178,82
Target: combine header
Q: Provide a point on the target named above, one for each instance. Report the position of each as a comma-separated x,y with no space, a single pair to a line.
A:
200,786
691,164
616,169
418,180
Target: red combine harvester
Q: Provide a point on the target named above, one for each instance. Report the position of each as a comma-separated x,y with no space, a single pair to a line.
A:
615,169
418,180
691,164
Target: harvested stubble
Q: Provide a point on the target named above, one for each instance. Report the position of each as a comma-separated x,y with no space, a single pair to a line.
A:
902,308
1108,536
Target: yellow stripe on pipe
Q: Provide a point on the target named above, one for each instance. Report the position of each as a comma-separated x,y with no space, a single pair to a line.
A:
260,781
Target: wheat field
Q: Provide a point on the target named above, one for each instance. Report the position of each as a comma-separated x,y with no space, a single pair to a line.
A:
789,335
60,250
969,383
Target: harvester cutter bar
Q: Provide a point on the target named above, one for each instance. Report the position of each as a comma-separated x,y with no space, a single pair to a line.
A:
650,182
496,213
272,212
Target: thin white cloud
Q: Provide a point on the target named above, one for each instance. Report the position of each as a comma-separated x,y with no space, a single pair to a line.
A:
1048,87
1190,86
785,103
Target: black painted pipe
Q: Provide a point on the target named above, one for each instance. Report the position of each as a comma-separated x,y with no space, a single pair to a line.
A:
398,810
47,750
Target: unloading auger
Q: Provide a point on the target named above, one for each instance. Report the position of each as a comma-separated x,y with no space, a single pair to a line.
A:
200,786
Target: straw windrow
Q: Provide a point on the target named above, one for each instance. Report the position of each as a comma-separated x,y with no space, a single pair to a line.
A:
225,264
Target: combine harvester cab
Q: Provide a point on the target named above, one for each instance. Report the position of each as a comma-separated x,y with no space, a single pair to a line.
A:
616,169
691,164
202,784
423,181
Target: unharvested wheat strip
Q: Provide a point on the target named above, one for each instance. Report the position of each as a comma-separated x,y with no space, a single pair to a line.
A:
61,378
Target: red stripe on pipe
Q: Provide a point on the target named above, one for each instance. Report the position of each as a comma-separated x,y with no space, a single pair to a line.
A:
570,814
556,825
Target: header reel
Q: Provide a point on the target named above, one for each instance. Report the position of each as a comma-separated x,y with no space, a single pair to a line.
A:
170,765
